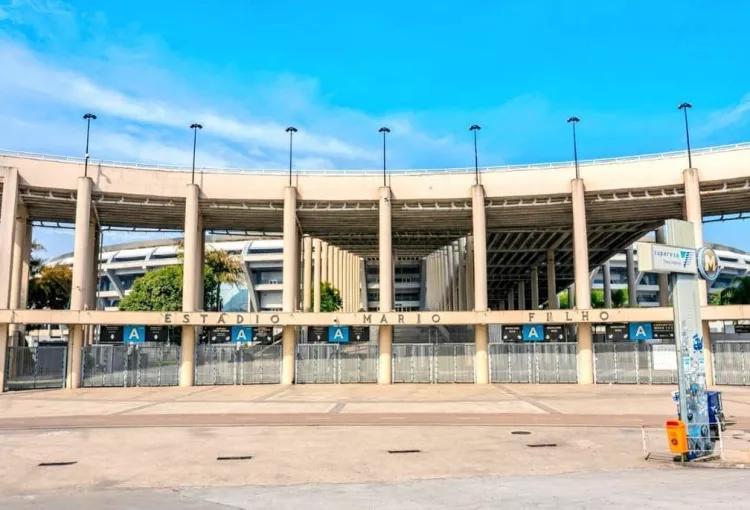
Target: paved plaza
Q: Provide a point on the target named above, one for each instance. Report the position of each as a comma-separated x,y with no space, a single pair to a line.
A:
117,439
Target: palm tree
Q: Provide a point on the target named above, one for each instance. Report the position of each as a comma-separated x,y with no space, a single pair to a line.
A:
226,268
738,293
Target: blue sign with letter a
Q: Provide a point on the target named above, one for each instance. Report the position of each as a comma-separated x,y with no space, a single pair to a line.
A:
533,332
242,334
640,331
134,334
338,334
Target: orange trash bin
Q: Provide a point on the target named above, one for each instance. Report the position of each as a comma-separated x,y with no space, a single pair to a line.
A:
677,436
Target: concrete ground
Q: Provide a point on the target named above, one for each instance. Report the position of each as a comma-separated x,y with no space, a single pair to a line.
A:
666,489
152,440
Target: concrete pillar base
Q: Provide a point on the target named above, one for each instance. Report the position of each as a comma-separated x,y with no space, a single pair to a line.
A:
288,348
585,354
481,358
187,356
385,341
75,357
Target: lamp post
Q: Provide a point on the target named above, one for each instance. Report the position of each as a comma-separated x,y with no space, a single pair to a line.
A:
384,130
574,121
195,127
685,107
474,128
88,118
291,130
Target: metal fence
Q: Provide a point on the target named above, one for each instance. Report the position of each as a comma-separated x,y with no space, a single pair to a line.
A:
336,363
542,362
635,363
433,363
217,364
130,365
30,368
731,363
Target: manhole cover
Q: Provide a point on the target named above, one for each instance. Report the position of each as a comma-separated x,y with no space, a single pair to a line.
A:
520,432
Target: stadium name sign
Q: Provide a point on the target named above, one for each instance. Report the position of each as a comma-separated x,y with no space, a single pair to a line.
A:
388,319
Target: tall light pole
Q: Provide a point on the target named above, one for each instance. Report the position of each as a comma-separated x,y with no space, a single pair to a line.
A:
685,107
384,130
474,128
88,118
574,121
291,130
195,127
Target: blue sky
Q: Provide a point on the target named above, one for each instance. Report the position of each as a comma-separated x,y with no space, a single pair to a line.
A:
339,70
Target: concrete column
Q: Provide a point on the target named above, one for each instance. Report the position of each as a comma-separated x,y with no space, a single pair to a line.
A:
511,299
385,250
470,272
452,261
307,279
335,267
607,277
694,214
290,268
363,284
317,247
534,288
331,257
8,210
447,275
582,282
200,302
93,279
16,280
661,238
323,261
347,281
82,259
632,288
461,271
572,297
25,269
522,295
190,290
552,302
479,232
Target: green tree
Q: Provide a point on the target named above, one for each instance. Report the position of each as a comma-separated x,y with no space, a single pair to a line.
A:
160,290
620,298
50,287
562,299
597,298
330,298
227,269
738,293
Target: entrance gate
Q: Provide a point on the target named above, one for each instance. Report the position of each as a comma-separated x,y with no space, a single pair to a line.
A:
129,365
433,363
533,362
336,363
635,363
236,363
33,368
732,362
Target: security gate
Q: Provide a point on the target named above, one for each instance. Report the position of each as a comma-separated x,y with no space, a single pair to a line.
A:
31,368
128,365
731,362
217,364
533,362
433,363
635,363
336,363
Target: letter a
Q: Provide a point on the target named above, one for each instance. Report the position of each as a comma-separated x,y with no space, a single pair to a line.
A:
241,336
640,332
339,335
533,333
133,335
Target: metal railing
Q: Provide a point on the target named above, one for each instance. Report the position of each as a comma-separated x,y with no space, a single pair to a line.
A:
433,363
219,364
373,171
32,368
534,362
130,365
336,363
635,363
731,362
